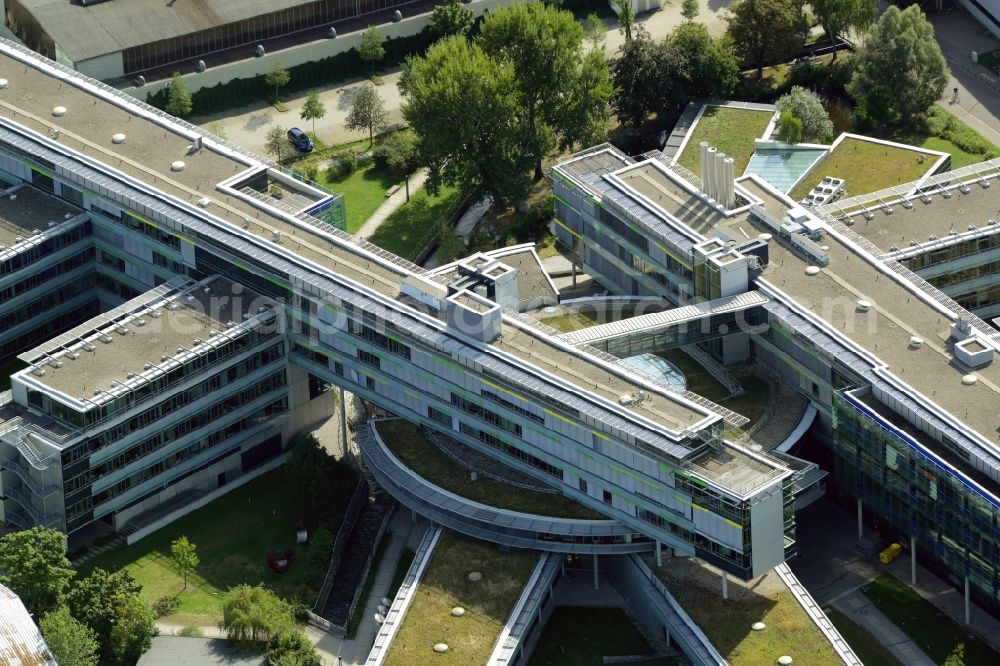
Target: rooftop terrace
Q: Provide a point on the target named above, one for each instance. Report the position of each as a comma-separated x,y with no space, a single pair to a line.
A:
91,118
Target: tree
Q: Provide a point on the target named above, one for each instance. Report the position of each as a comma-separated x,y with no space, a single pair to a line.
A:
35,567
451,18
544,46
133,631
690,9
789,128
313,109
648,78
254,614
586,111
309,469
463,107
371,47
367,112
290,646
72,643
277,76
111,606
902,72
596,33
838,16
625,17
712,69
275,141
765,30
178,98
807,108
401,155
184,558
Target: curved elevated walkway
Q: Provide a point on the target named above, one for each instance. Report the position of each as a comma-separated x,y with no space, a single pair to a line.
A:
507,528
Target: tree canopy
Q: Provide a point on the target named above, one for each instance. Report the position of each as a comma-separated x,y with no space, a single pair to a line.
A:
648,78
712,67
254,614
367,112
839,16
765,31
277,76
184,558
452,18
372,46
178,98
690,9
71,642
544,46
789,128
313,109
111,606
463,108
807,107
34,566
902,72
275,142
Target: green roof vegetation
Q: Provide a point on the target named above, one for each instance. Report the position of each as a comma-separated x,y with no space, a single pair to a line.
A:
726,623
445,585
867,167
730,130
408,443
233,535
584,636
586,317
940,637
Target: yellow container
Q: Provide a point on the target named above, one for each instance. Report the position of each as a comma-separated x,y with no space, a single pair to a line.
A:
890,553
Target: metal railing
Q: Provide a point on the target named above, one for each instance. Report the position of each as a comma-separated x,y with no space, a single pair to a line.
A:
17,466
17,437
354,508
712,367
365,572
817,615
39,516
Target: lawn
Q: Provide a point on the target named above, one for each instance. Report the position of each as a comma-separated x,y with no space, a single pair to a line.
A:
865,646
731,131
788,629
363,190
408,443
410,227
8,368
584,636
867,167
445,584
933,631
944,131
587,315
233,535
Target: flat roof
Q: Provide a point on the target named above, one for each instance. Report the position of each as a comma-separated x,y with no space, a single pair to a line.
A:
91,119
532,280
30,211
929,216
178,323
83,32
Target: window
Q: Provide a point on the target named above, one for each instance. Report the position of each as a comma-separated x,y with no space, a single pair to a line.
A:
607,496
439,416
583,485
369,358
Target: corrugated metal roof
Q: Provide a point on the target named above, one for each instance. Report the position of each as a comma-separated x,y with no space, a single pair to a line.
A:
21,643
87,32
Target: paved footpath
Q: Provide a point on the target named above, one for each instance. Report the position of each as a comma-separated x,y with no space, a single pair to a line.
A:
857,606
391,204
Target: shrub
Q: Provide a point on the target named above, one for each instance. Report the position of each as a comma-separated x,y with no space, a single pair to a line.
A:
190,631
165,606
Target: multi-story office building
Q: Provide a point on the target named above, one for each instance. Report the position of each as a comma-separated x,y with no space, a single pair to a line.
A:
162,205
901,374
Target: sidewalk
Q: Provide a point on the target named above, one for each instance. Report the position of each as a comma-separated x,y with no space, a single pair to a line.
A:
857,607
391,205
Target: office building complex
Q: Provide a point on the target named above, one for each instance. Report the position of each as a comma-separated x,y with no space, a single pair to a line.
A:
186,379
901,375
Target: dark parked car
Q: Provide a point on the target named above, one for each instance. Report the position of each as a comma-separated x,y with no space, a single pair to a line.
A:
300,139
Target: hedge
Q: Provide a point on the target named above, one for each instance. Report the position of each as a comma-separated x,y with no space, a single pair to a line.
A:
336,68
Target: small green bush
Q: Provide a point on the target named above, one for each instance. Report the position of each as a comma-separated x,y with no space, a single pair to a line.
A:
190,631
942,124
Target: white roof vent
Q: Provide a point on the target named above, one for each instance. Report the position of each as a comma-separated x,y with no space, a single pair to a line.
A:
916,342
130,375
864,306
59,111
969,380
204,201
177,166
812,270
3,84
147,366
118,138
276,236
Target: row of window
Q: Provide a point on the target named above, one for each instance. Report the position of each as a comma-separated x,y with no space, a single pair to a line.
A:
166,435
38,277
487,415
514,452
49,301
30,255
